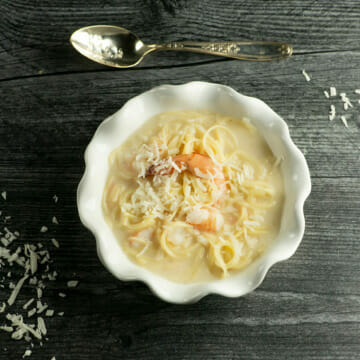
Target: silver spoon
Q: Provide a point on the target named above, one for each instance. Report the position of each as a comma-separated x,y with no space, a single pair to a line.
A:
118,47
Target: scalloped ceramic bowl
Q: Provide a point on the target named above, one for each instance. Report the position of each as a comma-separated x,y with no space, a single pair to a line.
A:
194,95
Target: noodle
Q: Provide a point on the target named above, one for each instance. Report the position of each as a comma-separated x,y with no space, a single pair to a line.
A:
206,219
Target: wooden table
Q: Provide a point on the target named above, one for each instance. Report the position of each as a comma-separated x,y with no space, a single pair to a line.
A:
53,99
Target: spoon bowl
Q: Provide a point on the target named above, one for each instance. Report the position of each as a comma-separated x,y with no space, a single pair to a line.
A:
110,45
118,47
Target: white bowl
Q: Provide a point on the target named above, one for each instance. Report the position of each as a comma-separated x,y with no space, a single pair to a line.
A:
194,95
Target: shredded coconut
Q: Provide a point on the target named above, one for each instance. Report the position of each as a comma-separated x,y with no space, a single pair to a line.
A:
55,242
73,283
7,328
16,290
332,113
41,325
343,119
3,194
2,307
21,327
39,293
28,303
33,262
332,91
307,77
31,312
346,101
27,353
27,257
49,312
41,307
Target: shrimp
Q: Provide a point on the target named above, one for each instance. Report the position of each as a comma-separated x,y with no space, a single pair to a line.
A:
205,219
141,237
201,166
198,165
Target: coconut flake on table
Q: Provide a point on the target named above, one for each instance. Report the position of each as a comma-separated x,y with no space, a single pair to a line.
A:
33,281
27,353
326,94
332,112
16,290
72,283
343,119
41,307
27,256
44,229
33,262
28,303
9,236
4,195
21,327
346,101
49,312
55,220
11,285
306,75
41,325
31,312
2,307
39,292
332,91
6,328
55,242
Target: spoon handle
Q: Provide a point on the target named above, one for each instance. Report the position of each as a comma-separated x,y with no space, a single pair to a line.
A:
244,50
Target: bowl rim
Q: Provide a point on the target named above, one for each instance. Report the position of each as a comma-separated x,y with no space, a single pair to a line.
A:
192,292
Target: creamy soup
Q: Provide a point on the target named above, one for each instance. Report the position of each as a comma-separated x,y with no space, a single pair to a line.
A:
193,195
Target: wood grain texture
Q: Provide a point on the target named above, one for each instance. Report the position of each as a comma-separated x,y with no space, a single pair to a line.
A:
35,35
309,306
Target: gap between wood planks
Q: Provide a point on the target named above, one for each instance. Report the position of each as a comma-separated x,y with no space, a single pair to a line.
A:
206,62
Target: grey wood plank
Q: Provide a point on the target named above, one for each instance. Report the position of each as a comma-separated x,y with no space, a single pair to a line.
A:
71,106
307,308
34,35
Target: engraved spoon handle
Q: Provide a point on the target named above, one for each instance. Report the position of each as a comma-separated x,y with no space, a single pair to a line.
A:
244,50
